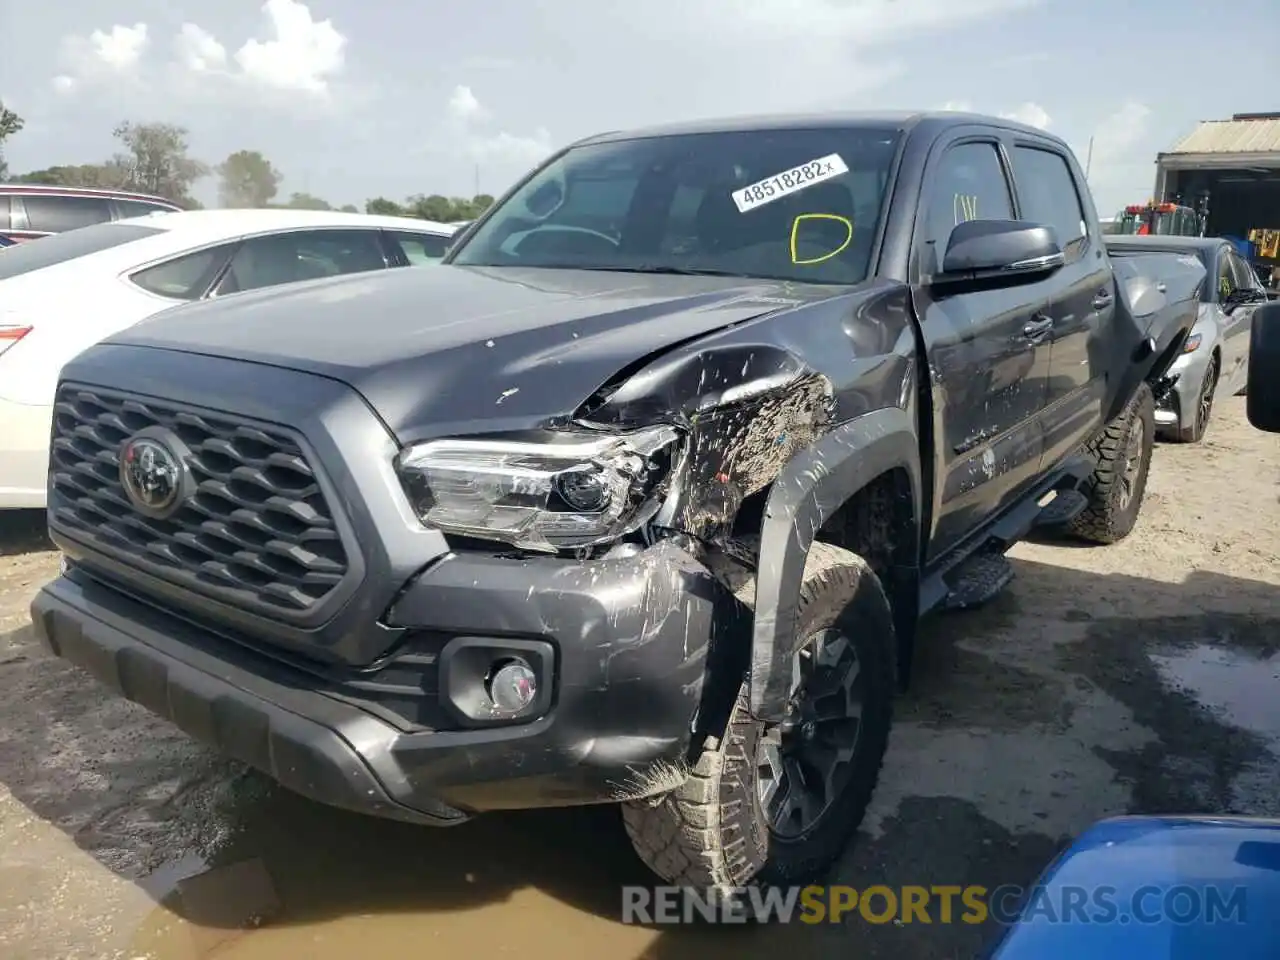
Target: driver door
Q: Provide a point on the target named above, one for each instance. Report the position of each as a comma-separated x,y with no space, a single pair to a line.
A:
989,375
1237,280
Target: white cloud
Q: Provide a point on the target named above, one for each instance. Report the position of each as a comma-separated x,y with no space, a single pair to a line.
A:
1120,133
104,55
299,54
469,132
1121,167
463,104
198,50
1032,114
304,54
122,48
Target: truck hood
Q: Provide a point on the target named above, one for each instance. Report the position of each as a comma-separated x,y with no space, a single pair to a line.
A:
450,349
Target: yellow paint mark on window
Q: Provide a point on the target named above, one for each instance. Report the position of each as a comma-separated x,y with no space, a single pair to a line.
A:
965,207
830,217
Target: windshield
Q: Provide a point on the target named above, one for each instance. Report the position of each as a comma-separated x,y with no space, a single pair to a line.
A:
778,204
60,247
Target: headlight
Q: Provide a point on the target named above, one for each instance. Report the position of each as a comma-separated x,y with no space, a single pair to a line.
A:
1192,344
542,496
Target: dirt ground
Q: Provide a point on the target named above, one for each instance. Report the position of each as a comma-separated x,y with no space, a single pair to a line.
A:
1140,677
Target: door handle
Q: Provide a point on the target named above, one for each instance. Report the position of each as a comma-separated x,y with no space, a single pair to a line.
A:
1102,300
1037,329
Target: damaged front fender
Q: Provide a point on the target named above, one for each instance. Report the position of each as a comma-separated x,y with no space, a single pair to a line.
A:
807,493
776,445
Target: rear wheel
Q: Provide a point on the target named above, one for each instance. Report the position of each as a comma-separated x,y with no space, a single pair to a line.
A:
1119,481
1196,421
778,803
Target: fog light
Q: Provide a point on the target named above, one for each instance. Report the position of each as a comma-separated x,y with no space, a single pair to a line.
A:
512,687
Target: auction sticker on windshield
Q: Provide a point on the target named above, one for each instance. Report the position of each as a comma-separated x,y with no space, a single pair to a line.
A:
789,181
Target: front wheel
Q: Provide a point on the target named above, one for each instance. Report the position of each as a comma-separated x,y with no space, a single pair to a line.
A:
1122,452
1197,418
778,803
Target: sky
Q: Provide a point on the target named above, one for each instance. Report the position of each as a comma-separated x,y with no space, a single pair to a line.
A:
353,99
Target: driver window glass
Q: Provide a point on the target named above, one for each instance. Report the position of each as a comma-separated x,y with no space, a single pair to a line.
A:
968,184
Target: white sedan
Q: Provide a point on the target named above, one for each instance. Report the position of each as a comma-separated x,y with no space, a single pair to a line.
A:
61,294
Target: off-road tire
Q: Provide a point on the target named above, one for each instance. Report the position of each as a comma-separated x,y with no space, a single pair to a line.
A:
1194,431
711,833
1107,520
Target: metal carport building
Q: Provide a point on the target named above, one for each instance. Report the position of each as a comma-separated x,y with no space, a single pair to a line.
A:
1236,163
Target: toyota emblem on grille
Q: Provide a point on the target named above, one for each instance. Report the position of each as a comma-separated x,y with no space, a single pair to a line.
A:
153,472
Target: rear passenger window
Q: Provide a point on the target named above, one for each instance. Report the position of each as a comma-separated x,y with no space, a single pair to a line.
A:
969,184
420,248
138,208
273,259
182,279
1047,192
57,214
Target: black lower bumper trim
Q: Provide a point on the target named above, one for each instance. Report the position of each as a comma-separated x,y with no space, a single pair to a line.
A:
303,754
632,653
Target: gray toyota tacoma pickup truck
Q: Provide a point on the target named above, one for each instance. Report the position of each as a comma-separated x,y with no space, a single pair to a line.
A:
636,498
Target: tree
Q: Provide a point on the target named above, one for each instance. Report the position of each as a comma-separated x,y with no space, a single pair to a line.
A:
247,180
104,176
10,123
383,207
156,160
305,201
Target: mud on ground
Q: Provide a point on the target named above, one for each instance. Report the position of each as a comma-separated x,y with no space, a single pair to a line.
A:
1140,677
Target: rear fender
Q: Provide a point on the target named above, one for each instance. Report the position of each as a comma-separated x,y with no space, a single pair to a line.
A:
810,489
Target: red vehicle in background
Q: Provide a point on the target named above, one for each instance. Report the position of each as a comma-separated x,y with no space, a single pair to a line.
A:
1159,219
28,211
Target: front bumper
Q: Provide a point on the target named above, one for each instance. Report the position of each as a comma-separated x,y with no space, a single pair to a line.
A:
1190,369
631,640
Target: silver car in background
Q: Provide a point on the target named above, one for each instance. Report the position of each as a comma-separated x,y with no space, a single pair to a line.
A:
1215,361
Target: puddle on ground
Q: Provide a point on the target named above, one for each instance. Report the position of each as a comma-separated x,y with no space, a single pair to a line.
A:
1242,688
298,879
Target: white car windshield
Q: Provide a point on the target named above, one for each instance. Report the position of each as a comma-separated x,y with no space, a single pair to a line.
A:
787,204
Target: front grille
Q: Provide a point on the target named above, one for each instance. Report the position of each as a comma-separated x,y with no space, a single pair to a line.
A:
257,533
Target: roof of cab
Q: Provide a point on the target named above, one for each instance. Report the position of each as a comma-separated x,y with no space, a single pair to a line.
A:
877,119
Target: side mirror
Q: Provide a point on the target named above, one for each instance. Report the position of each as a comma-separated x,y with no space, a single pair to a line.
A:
1263,403
1240,296
997,249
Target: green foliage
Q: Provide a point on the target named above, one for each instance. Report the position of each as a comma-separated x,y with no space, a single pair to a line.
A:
247,179
432,207
155,159
10,123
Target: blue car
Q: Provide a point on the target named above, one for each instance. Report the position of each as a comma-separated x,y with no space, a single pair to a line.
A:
1156,888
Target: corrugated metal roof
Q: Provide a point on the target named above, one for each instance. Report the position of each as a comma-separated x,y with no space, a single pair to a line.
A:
1232,136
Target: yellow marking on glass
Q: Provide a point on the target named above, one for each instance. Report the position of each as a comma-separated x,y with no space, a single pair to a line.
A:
795,233
964,207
